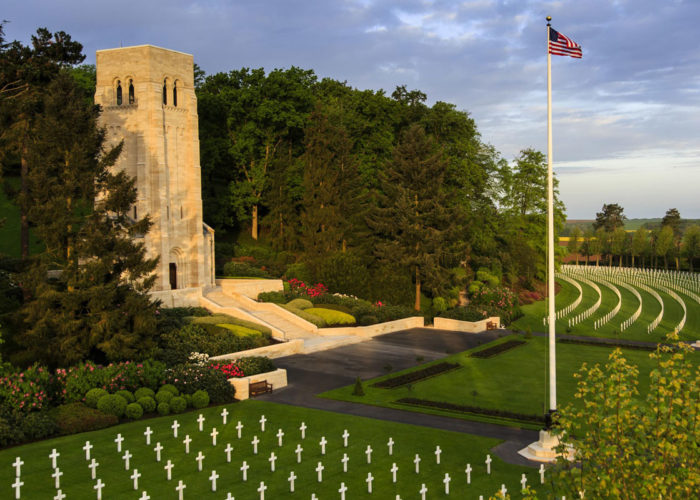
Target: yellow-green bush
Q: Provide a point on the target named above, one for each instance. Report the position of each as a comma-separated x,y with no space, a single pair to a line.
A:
302,304
311,318
241,331
332,317
218,319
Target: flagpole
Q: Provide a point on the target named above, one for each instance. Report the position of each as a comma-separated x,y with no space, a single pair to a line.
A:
550,239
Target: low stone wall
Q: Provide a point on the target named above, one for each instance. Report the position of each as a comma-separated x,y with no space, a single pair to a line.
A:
183,297
378,329
464,326
271,351
250,288
277,378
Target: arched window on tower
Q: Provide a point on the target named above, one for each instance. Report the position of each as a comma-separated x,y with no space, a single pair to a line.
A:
131,92
119,93
175,94
165,93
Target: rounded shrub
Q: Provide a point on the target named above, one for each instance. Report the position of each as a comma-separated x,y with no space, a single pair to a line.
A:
127,395
134,411
188,399
164,409
147,403
112,404
178,404
332,317
144,392
93,396
170,388
200,399
164,396
300,304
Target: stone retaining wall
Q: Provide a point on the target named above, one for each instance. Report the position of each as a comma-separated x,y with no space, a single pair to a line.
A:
464,326
374,330
271,351
277,378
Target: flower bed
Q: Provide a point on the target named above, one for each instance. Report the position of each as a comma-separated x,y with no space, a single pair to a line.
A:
417,375
490,352
441,405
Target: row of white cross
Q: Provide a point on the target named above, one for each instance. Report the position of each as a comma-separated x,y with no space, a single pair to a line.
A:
126,457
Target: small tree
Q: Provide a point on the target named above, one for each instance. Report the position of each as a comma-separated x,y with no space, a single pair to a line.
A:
640,244
574,246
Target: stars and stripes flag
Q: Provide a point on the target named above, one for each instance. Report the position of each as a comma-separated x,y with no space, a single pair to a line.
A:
561,45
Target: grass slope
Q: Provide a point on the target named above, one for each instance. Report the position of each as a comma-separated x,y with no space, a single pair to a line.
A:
458,450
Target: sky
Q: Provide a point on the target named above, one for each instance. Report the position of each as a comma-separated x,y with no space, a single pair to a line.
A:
626,117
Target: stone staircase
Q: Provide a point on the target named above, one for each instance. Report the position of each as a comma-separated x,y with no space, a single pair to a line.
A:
285,325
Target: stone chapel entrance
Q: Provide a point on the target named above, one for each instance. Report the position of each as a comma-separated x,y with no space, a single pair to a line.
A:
173,276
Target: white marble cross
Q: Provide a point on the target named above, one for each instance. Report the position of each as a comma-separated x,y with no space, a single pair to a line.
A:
213,435
169,468
313,496
59,495
262,423
280,435
423,491
346,435
261,490
255,442
224,415
468,471
368,452
228,451
446,481
17,485
291,479
239,428
53,456
523,482
229,496
394,470
144,495
345,462
135,477
244,469
187,442
87,449
342,491
98,486
126,457
272,460
390,444
302,428
319,472
158,449
488,464
57,473
200,421
369,482
148,433
214,476
323,443
417,462
541,473
18,463
503,490
180,488
438,452
119,440
93,466
298,451
199,458
175,427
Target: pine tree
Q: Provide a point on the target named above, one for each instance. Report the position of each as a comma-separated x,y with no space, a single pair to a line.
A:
94,306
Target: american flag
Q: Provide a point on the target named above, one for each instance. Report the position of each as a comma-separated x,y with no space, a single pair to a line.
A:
560,45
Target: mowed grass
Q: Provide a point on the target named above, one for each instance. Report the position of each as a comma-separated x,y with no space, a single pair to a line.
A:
673,312
457,451
513,380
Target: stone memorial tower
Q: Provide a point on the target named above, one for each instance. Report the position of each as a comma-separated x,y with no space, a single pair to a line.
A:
148,101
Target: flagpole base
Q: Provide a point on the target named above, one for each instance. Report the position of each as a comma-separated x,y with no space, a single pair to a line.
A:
544,450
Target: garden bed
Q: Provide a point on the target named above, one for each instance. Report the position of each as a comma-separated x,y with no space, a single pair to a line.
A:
492,351
476,410
605,343
416,376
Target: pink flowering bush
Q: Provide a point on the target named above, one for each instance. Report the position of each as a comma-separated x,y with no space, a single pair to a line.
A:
28,390
496,301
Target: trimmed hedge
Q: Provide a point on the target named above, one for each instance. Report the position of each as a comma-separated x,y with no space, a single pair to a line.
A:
492,351
241,331
112,405
244,270
164,409
127,395
93,396
144,392
147,403
164,396
441,405
607,343
216,319
332,318
72,418
300,303
416,376
200,399
134,411
178,404
335,307
311,318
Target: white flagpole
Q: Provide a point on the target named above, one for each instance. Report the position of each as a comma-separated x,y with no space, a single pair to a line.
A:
550,238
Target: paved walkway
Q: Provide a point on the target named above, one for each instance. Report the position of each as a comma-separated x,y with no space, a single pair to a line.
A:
311,374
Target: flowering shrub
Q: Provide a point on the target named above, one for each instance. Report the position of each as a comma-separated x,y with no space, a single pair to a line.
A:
298,288
199,358
190,378
28,390
231,370
497,301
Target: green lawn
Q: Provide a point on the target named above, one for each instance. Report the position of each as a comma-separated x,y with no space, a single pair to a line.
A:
458,450
514,380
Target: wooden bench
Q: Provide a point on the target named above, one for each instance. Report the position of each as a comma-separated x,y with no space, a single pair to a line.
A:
255,388
491,325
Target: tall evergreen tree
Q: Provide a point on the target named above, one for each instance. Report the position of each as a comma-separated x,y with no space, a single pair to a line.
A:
87,289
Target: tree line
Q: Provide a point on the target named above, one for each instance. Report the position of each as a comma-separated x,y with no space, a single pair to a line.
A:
668,244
